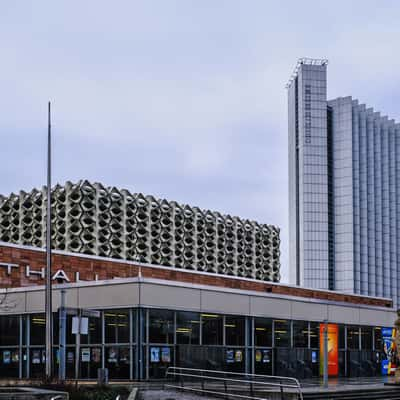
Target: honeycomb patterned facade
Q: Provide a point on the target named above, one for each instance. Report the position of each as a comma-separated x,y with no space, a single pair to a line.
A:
93,219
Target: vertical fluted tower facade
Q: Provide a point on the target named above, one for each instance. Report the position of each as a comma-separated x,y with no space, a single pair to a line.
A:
344,190
367,199
92,219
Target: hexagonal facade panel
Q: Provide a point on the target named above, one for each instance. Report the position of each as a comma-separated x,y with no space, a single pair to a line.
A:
104,221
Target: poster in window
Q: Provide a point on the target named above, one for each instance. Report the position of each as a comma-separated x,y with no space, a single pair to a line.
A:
112,355
6,357
388,363
258,356
266,356
43,356
333,351
15,356
96,355
230,356
36,357
166,355
154,354
57,356
238,355
85,354
70,357
313,357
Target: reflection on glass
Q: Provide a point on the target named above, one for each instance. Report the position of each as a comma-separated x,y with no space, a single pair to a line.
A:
116,326
263,332
234,331
9,330
211,329
342,338
300,334
378,339
366,338
117,361
37,329
282,333
161,326
187,327
314,335
353,337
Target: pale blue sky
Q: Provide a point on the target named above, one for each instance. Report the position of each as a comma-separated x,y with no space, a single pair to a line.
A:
184,100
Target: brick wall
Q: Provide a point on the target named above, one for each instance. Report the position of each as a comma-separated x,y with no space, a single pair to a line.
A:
89,268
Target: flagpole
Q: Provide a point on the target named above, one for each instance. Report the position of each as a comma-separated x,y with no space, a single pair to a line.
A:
48,294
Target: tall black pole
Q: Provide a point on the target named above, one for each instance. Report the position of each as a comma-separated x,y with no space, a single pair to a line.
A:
48,305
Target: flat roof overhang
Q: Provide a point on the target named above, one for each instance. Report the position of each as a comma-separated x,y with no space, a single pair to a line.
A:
166,294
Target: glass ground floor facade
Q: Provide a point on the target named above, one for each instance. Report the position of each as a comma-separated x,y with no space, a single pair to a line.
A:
139,343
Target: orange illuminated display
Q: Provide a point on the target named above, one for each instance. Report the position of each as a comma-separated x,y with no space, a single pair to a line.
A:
333,356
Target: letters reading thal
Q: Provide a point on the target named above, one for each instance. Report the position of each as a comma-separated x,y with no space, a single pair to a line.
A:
59,275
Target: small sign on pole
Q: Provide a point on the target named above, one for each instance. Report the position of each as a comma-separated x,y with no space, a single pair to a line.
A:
81,328
84,326
75,325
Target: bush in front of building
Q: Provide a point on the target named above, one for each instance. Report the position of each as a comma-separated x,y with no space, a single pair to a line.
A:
91,392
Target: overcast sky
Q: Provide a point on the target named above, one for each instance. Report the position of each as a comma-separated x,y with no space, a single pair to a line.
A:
184,100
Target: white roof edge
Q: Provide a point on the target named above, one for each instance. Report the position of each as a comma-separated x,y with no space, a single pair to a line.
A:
141,280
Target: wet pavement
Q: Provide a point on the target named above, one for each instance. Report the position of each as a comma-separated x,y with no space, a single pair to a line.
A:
342,384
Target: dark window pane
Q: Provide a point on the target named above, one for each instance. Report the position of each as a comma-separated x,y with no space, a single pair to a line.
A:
263,332
117,362
70,337
234,360
342,340
282,333
25,320
263,361
353,337
95,330
161,326
38,329
187,327
94,335
378,339
234,331
38,361
212,329
9,330
300,334
366,338
9,363
56,328
116,326
314,335
90,362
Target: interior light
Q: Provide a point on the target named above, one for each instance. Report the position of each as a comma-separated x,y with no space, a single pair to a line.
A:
210,315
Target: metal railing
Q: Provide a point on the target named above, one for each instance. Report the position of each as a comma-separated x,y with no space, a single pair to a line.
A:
233,384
